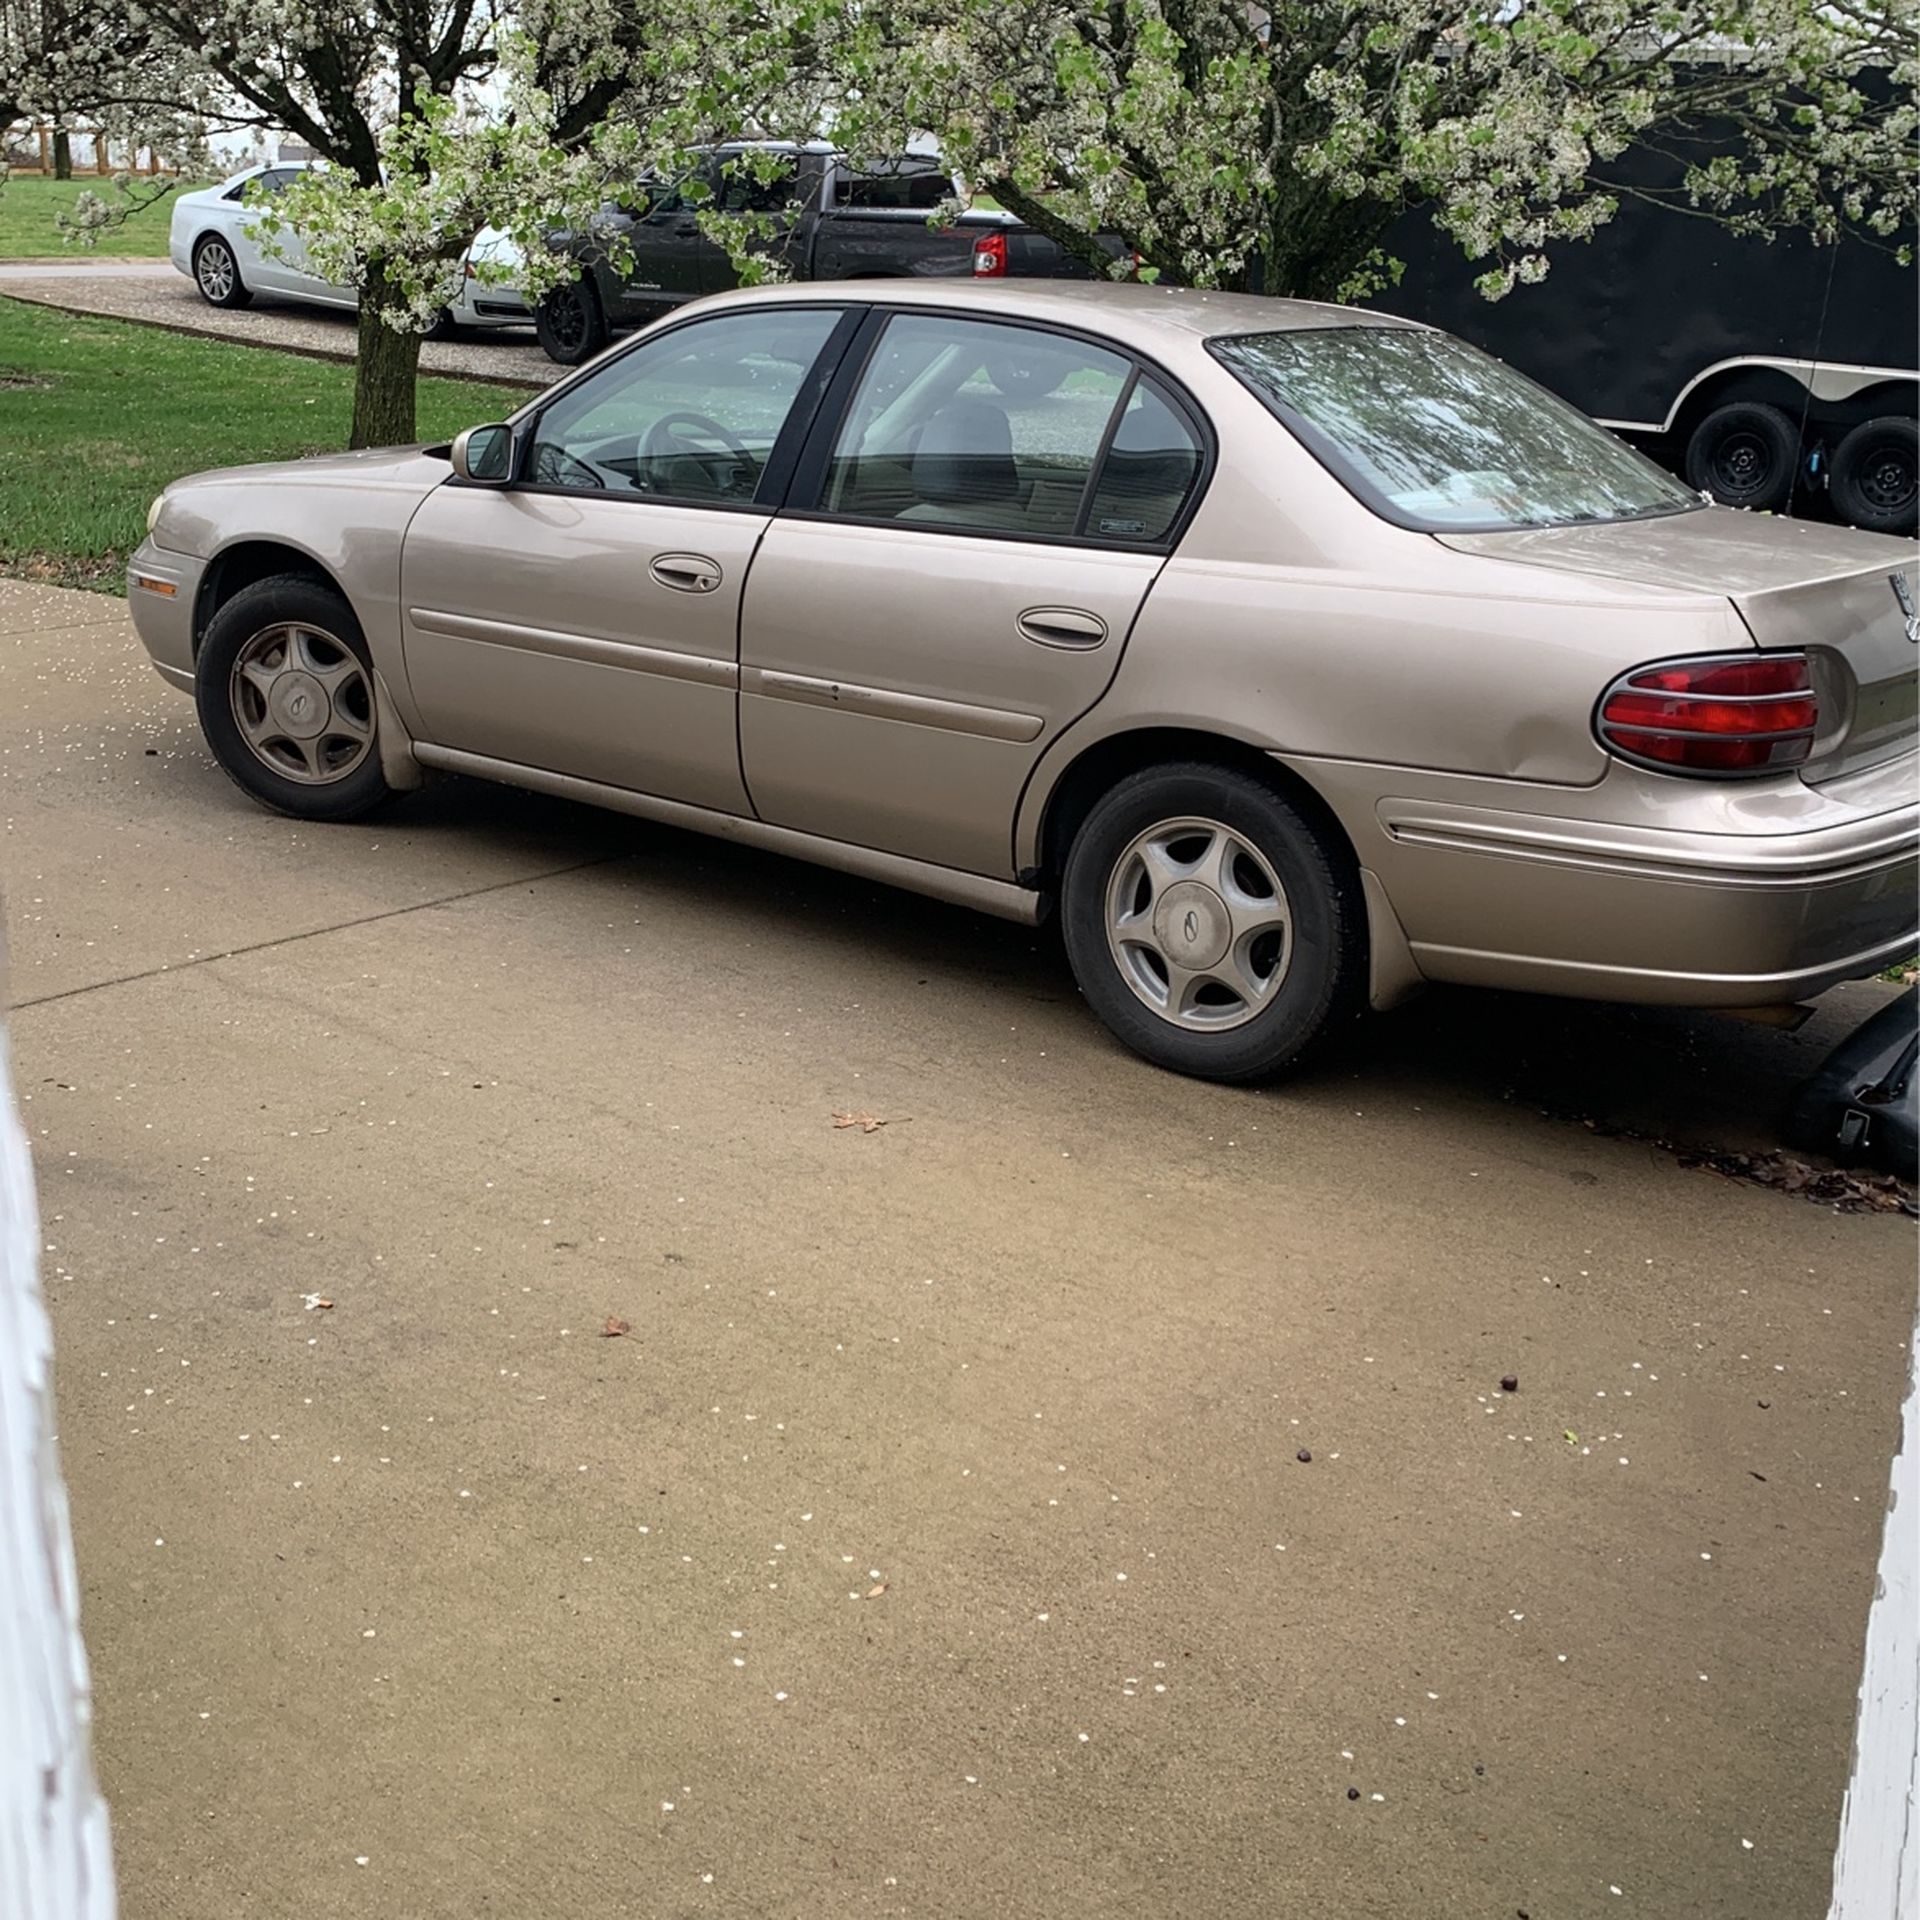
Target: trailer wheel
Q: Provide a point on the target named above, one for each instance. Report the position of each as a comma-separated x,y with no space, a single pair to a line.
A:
1745,454
1875,482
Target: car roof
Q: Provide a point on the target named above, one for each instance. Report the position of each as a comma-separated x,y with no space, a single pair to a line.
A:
1128,309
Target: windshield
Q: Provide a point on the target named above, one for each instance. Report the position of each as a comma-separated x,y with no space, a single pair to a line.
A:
1433,434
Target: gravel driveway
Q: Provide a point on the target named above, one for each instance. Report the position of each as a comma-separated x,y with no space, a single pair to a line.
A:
156,295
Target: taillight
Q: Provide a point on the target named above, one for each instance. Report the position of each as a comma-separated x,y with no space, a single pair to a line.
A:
990,255
1750,714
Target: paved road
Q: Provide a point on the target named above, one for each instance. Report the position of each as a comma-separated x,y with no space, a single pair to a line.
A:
155,293
937,1541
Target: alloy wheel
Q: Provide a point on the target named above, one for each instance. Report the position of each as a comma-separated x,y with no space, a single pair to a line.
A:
1198,924
567,318
215,270
303,702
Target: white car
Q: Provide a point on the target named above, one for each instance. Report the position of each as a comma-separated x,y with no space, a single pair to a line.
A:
216,241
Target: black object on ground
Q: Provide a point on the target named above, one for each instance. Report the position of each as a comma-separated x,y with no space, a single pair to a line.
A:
1864,1103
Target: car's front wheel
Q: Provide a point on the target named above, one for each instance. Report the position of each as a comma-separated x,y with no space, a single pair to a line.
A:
1212,925
284,688
217,273
570,324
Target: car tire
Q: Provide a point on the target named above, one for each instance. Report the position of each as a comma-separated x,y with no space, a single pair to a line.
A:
1874,482
445,326
216,272
1745,454
571,324
285,691
1199,864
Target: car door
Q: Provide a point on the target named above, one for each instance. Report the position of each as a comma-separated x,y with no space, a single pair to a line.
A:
670,253
972,534
263,266
584,617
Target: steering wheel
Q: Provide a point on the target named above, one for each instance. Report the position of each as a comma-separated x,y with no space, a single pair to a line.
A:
663,441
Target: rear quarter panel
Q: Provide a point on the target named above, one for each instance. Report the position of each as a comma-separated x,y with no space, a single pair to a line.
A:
1296,621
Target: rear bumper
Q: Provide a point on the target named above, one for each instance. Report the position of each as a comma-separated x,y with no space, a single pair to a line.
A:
162,590
1776,894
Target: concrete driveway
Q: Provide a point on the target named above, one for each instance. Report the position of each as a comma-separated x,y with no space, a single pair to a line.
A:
941,1537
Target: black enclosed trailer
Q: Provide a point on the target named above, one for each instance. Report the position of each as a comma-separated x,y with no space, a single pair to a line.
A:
1777,375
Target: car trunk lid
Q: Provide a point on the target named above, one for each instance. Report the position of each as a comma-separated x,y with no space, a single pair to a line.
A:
1843,598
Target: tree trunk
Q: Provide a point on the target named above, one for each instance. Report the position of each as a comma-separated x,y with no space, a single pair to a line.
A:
1317,243
1072,241
62,154
383,375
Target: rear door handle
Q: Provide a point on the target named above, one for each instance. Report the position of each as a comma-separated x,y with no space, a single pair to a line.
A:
686,572
1062,627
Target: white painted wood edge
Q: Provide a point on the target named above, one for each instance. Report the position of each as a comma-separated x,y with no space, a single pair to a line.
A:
1876,1869
56,1861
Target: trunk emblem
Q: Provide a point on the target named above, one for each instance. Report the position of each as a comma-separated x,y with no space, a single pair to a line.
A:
1904,594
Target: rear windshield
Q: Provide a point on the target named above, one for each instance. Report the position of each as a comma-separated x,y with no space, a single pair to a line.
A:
1433,434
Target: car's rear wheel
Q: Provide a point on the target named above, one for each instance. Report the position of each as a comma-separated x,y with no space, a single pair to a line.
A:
1875,481
570,324
1214,928
285,693
1745,454
217,273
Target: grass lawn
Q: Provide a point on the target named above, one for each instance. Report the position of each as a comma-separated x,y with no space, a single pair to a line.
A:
96,416
27,214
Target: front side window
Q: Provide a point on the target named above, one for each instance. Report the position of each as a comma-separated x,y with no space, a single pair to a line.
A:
690,416
1433,434
971,424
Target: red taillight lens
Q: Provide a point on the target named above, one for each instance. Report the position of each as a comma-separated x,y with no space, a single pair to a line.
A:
1751,714
990,255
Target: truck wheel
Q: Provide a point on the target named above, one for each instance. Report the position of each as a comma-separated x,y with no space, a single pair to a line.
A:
1875,482
1211,925
570,324
1745,455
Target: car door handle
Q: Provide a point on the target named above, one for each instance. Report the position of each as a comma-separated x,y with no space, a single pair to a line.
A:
686,572
1062,627
686,226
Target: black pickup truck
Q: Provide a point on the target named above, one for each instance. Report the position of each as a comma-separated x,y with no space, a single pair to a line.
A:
832,221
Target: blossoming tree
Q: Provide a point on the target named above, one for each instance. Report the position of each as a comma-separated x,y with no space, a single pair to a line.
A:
1236,145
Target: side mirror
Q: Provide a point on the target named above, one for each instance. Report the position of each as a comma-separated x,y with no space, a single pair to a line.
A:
484,455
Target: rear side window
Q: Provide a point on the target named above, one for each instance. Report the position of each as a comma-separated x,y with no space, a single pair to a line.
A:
1152,463
990,428
261,184
919,189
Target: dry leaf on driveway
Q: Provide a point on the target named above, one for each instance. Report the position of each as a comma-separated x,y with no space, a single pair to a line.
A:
615,1327
866,1122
